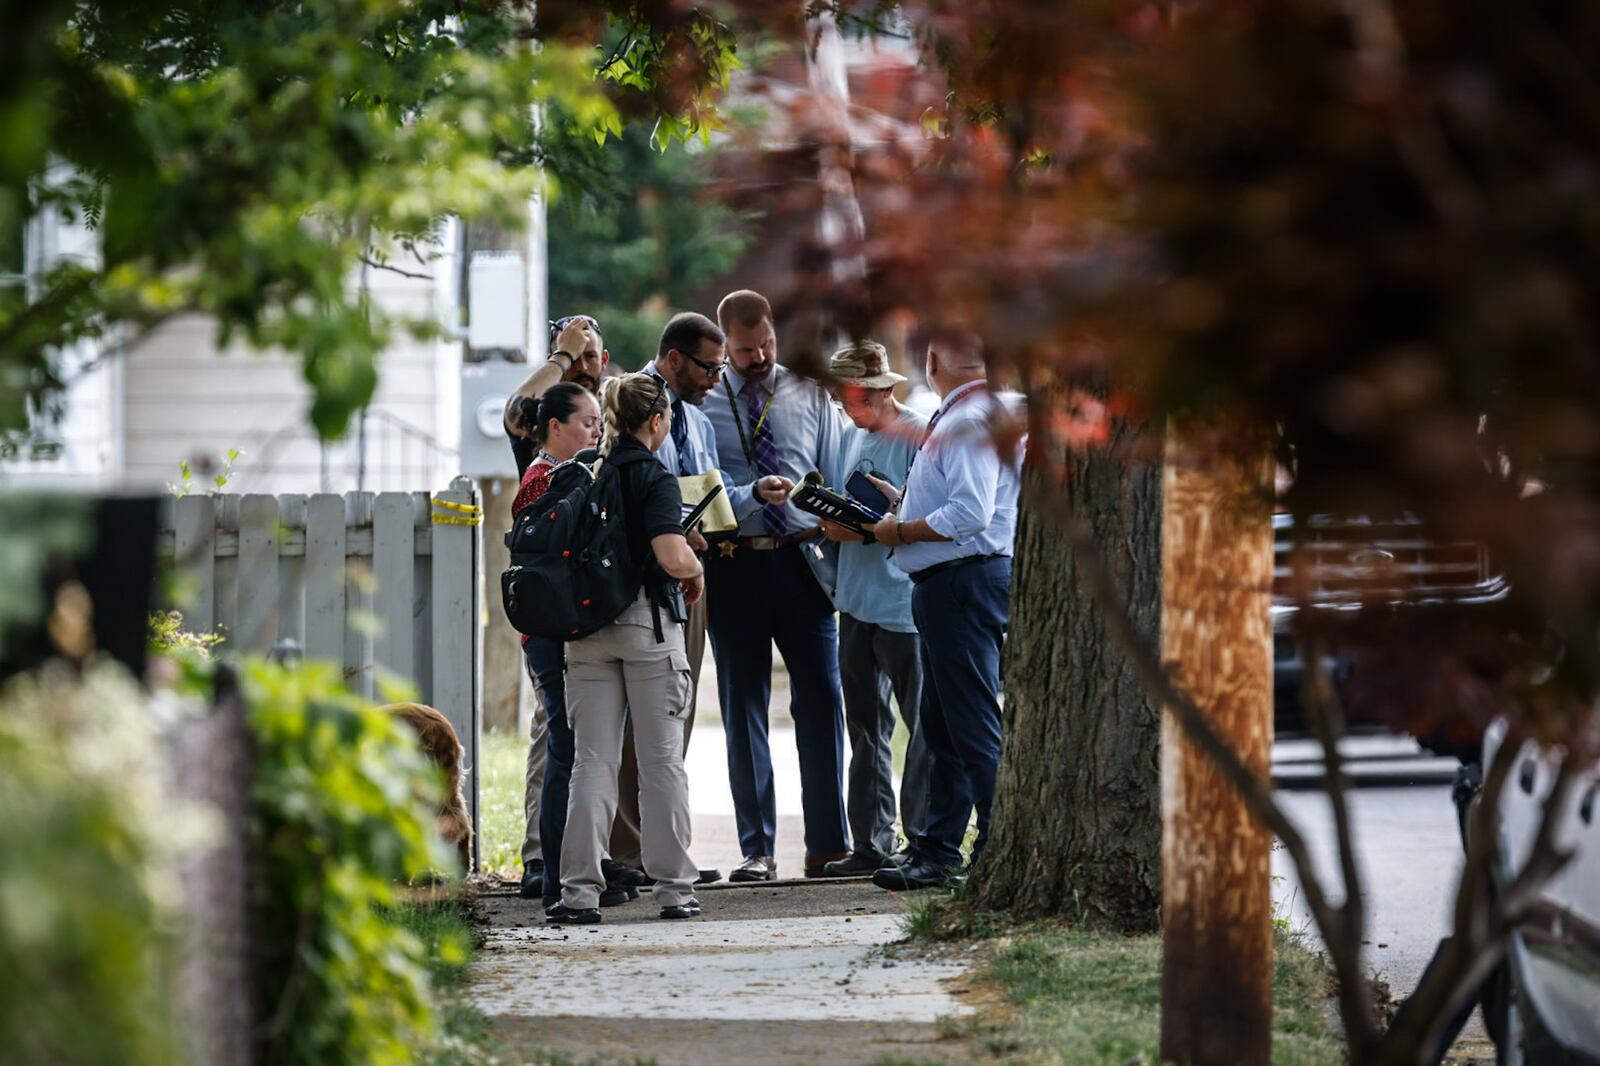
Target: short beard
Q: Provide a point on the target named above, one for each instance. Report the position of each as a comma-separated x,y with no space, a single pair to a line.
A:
586,382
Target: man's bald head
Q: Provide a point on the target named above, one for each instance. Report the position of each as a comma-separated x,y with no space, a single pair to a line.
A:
955,357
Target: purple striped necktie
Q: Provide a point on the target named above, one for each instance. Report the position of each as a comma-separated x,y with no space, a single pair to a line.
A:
765,449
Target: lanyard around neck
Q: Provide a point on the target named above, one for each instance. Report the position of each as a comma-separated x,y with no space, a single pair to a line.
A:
738,423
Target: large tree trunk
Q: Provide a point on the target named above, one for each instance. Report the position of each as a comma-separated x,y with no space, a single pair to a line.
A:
1077,819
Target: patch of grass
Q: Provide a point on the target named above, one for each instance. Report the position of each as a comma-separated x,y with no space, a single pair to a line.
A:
443,927
942,914
503,760
465,1036
1094,999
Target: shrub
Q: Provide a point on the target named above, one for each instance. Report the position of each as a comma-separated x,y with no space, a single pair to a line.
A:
337,819
88,847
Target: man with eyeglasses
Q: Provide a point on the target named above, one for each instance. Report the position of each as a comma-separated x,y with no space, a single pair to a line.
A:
772,428
689,361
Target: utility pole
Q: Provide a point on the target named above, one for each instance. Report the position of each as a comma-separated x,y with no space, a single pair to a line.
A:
506,331
1216,641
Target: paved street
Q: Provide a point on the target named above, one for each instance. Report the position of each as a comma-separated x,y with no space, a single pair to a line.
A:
1408,846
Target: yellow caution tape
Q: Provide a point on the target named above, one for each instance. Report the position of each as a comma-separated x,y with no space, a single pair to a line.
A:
472,515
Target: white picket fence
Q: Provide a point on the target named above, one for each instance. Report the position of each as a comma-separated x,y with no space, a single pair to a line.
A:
374,581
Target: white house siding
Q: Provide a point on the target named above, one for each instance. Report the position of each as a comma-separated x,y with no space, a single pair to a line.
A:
186,400
86,440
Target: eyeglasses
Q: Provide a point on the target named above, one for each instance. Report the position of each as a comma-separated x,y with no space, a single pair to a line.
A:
560,324
713,370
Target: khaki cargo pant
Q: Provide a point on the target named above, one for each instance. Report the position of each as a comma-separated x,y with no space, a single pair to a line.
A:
609,672
625,830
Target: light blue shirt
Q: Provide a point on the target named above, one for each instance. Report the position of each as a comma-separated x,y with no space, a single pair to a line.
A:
700,455
960,485
806,426
870,587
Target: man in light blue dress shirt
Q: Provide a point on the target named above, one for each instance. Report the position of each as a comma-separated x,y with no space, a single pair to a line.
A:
878,644
772,428
953,534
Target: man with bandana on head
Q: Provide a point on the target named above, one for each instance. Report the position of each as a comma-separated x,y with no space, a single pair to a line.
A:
577,354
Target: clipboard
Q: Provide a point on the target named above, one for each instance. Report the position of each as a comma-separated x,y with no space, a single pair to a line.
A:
700,508
697,489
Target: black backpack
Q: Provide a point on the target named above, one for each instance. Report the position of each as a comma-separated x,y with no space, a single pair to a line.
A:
571,572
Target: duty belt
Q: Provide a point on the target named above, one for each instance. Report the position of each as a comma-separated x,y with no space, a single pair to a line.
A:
728,545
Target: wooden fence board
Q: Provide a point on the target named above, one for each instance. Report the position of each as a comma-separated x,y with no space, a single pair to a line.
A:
393,549
325,578
194,535
257,624
456,650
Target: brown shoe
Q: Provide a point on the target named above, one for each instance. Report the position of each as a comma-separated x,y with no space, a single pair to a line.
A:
815,861
756,868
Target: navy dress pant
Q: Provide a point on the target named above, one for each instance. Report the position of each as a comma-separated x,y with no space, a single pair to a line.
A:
961,616
546,665
756,599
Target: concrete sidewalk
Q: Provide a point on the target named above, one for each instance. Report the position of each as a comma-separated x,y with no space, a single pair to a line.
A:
784,973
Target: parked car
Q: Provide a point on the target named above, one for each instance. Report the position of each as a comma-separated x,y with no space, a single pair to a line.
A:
1352,578
1543,1005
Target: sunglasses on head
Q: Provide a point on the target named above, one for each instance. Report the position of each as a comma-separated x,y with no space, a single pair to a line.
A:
559,324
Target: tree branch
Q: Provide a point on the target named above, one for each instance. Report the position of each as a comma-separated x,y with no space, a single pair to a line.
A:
367,260
1344,942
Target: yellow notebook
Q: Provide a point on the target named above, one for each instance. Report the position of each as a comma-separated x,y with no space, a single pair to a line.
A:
719,516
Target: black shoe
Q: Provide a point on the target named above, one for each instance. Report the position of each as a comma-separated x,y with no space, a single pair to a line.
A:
917,874
616,895
619,873
701,877
561,914
532,880
682,910
859,864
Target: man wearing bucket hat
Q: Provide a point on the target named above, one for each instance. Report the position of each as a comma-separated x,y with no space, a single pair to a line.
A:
878,650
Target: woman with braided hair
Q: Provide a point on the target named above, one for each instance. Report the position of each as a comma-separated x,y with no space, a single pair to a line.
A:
634,665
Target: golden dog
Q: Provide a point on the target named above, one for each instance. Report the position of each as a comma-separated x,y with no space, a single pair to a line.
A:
440,744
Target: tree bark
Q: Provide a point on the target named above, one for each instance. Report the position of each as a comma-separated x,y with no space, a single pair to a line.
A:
1216,644
1077,828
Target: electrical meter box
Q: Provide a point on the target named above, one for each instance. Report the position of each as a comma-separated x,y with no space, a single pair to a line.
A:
485,448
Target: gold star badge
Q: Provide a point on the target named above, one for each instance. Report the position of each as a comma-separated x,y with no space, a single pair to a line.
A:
727,548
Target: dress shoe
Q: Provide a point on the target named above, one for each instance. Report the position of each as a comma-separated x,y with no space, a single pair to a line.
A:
916,874
620,873
682,910
756,868
561,914
616,895
532,886
708,877
815,861
858,864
